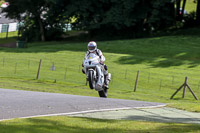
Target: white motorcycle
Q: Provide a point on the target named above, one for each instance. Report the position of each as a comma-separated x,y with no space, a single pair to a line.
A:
95,74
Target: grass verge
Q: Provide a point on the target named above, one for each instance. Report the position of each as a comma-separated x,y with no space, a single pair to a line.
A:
84,125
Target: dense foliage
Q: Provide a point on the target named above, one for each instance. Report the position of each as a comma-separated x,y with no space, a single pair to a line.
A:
45,19
42,19
122,17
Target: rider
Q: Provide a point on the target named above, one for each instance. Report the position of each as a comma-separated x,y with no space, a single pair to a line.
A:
92,48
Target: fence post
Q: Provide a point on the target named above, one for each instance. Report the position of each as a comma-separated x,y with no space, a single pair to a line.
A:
184,89
7,32
18,33
38,74
136,82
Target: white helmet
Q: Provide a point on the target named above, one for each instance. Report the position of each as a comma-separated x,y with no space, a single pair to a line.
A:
92,46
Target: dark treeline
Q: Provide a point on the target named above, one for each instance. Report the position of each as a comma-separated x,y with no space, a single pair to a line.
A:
45,19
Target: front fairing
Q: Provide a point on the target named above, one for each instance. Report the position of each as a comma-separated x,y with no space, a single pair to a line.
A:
92,63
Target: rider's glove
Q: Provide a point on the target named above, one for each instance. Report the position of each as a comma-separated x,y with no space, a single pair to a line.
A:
101,62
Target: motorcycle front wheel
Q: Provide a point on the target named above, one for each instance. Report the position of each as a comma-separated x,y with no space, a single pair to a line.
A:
91,80
103,93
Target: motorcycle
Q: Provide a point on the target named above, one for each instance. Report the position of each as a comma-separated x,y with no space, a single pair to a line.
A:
95,74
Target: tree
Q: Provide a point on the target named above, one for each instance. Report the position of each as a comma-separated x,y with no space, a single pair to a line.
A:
178,5
100,17
28,9
180,13
198,11
122,17
162,14
183,7
40,17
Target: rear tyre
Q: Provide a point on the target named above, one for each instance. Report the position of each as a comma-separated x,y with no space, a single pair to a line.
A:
91,80
103,93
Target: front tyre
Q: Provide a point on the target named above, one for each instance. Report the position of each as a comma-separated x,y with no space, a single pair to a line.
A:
91,79
103,93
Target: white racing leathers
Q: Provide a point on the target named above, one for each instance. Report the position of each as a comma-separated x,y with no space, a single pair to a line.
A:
98,53
102,60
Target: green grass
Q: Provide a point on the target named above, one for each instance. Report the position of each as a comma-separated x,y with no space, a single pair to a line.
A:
86,125
12,37
9,40
190,6
161,60
163,63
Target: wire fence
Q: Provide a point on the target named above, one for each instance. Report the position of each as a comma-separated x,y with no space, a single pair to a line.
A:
151,81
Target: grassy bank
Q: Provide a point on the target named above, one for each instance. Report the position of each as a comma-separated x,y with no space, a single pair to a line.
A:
12,37
164,62
85,125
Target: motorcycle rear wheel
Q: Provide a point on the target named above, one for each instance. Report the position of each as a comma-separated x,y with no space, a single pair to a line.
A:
91,80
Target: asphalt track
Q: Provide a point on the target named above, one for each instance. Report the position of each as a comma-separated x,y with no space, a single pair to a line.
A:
26,104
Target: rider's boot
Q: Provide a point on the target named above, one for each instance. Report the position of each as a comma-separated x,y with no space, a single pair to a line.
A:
108,78
83,71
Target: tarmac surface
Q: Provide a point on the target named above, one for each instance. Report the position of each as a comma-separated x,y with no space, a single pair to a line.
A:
28,104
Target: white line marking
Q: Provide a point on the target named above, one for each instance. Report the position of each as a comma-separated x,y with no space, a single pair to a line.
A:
84,112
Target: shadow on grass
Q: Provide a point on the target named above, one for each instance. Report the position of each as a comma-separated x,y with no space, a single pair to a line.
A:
181,48
8,40
167,62
86,125
162,119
